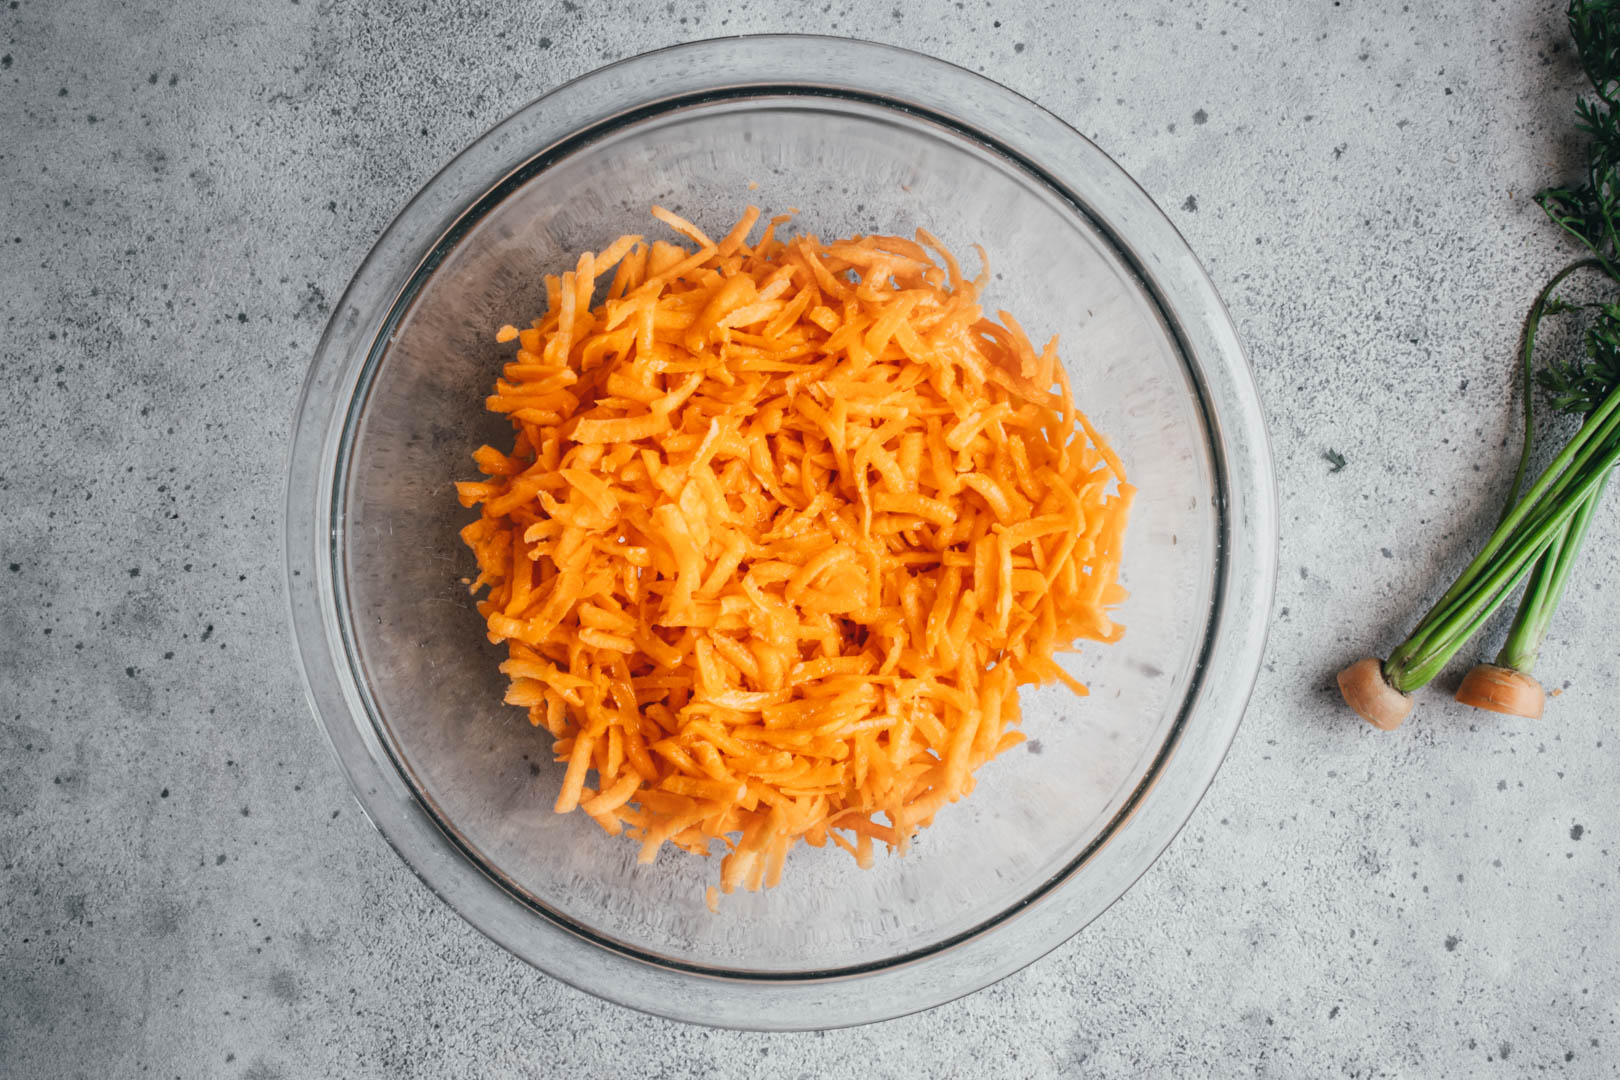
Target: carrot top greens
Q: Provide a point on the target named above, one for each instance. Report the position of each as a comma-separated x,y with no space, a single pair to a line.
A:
1544,523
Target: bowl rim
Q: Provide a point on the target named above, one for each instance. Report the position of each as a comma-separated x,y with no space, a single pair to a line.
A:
972,107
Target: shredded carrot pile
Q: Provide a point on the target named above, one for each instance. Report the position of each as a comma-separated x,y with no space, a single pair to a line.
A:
784,527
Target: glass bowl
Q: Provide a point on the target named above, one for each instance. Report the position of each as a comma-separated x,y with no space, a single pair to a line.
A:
857,137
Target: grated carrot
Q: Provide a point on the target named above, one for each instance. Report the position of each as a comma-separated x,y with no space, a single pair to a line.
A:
783,528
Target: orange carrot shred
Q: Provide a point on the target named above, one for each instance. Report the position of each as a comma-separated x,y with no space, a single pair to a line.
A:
782,530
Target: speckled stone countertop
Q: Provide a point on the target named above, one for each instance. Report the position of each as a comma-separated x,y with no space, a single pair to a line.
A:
187,888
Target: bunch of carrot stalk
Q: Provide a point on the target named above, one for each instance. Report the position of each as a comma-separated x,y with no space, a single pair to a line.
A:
1545,523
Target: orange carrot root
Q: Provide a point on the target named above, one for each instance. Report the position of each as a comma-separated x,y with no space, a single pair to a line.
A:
1502,690
1367,692
784,527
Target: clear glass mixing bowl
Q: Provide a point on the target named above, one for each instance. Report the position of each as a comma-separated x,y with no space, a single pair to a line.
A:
857,137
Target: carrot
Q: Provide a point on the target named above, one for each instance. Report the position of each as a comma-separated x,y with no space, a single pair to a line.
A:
1504,690
783,528
1369,693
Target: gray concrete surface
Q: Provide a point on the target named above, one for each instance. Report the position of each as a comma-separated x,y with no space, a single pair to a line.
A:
187,888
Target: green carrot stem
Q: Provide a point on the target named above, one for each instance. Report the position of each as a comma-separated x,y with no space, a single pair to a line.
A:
1532,323
1449,626
1527,545
1554,482
1419,661
1546,589
1523,644
1419,672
